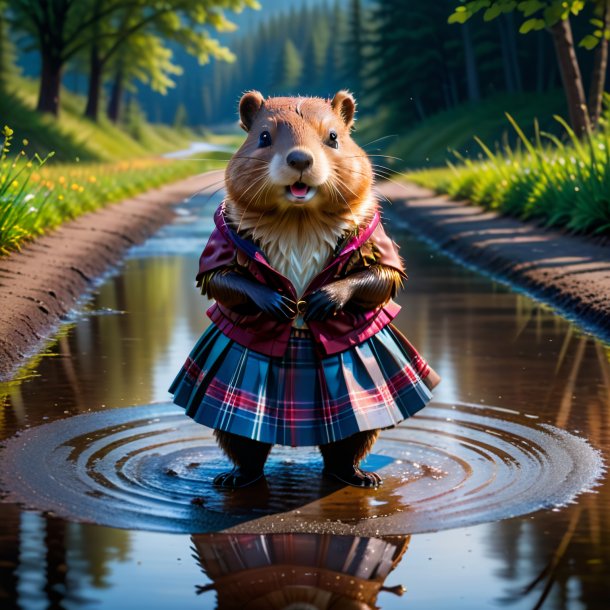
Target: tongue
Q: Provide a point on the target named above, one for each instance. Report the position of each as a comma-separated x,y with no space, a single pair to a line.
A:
298,189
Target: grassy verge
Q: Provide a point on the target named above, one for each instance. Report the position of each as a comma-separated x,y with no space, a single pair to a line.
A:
559,184
37,195
431,142
73,137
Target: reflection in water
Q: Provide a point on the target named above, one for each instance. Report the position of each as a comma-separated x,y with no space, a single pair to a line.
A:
297,571
491,347
46,562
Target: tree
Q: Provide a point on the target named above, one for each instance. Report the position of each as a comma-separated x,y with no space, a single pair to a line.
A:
598,41
182,24
143,58
554,15
61,29
7,51
353,63
288,69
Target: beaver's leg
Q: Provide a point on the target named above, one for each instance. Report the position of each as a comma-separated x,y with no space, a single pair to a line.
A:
249,457
341,459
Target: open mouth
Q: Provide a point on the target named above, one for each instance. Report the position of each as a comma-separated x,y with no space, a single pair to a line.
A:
300,192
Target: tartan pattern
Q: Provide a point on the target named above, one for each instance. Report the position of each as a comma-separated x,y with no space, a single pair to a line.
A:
301,399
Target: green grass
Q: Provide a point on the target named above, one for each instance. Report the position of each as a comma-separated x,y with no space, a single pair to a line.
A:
37,195
52,170
558,183
431,143
73,137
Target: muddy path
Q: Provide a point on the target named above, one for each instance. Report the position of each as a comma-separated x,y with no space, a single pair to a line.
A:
570,273
41,284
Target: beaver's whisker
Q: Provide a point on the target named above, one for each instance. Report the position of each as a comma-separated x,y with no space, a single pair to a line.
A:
255,182
370,155
342,183
383,177
251,159
265,183
202,159
392,135
205,188
254,199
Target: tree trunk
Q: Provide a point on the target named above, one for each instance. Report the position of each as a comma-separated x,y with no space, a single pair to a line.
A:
472,74
571,77
95,84
506,59
453,88
540,61
50,83
419,107
598,78
512,49
116,97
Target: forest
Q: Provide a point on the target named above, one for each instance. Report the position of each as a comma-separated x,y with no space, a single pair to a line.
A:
408,61
185,62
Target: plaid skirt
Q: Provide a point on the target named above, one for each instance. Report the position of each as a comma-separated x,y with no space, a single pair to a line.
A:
301,399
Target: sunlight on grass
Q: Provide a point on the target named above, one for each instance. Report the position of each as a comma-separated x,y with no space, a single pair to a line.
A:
35,196
560,183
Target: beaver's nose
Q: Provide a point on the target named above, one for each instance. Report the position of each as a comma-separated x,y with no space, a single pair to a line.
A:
299,159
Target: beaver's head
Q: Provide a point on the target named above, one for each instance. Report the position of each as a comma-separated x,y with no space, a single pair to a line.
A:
299,154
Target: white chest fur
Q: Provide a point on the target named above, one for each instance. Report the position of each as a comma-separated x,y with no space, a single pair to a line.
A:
297,243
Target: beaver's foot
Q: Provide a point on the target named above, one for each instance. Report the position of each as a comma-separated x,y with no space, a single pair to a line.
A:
355,477
238,478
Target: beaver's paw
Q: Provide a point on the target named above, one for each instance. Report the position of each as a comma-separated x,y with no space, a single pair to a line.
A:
355,477
238,478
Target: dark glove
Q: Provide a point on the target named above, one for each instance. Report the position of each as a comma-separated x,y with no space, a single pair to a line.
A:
236,291
368,289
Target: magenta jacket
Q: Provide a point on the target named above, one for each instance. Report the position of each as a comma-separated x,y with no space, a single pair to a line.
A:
263,333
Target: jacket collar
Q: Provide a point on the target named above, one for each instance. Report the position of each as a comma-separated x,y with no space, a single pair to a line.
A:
350,243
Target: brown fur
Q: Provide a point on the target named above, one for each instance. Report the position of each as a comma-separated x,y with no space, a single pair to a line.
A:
349,451
243,452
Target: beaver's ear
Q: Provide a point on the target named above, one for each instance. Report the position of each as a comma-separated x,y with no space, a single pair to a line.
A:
344,105
249,105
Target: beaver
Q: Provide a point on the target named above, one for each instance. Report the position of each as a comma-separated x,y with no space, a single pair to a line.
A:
302,350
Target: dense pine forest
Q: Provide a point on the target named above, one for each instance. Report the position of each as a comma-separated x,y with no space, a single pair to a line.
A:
403,60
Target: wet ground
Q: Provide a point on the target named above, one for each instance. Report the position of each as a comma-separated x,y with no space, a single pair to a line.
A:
480,478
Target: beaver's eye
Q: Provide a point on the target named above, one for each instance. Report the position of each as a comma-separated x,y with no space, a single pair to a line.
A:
264,139
332,139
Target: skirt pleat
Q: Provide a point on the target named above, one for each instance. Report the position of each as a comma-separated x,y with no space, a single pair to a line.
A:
301,399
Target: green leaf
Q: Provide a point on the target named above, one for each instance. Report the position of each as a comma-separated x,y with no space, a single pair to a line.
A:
461,17
492,12
598,23
554,13
529,7
532,24
589,42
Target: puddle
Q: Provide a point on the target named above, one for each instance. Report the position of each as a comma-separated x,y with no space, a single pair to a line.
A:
151,467
488,473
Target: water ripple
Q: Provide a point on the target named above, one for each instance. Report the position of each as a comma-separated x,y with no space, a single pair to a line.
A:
150,467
